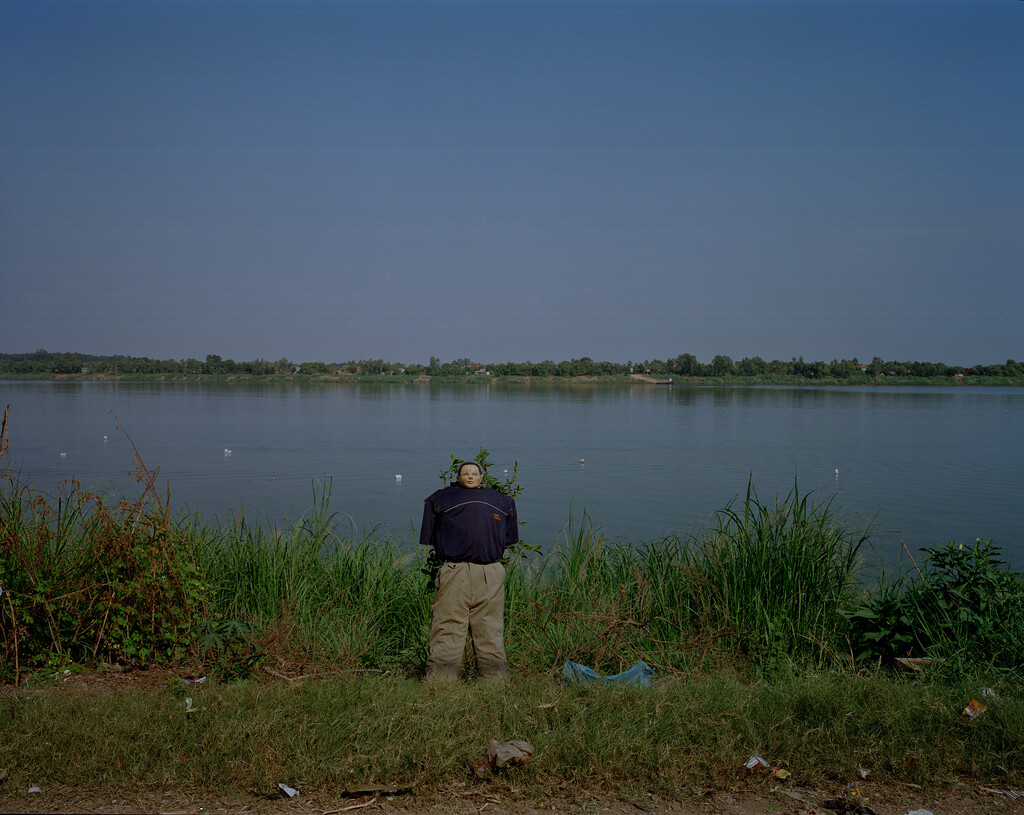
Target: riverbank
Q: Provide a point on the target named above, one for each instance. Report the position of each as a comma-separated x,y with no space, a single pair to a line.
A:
761,588
255,657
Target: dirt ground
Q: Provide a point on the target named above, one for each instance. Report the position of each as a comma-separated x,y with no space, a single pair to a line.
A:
963,801
773,798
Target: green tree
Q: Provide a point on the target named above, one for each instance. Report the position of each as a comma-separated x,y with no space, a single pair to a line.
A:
721,365
844,369
67,364
752,366
685,365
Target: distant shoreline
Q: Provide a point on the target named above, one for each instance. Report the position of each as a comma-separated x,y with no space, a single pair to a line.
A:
638,380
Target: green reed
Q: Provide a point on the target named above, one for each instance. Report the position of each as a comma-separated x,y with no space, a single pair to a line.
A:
763,586
349,600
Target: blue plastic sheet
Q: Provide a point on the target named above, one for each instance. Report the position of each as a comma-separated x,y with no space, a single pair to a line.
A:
639,676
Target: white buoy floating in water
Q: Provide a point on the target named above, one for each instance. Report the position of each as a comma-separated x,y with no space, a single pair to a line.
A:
227,452
582,460
837,472
398,477
63,455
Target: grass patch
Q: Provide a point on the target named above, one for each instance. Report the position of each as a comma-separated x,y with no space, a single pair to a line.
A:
675,739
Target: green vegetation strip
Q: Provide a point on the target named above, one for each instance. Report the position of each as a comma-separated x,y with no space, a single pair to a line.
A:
677,739
749,370
762,623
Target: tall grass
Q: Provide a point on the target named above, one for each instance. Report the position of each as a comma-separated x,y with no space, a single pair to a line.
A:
778,575
350,600
764,587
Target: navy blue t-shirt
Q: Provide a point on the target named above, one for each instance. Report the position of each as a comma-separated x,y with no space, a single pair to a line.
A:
473,525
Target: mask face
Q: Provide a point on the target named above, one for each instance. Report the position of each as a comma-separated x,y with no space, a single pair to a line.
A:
470,476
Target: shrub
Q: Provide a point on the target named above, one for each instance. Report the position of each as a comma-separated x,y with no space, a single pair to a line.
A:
964,610
84,578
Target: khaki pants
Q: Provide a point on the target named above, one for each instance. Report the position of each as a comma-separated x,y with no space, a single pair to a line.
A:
470,596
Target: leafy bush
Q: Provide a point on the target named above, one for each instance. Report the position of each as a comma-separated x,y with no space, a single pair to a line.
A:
964,610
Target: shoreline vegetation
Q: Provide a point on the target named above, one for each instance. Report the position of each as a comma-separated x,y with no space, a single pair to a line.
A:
528,381
764,628
684,370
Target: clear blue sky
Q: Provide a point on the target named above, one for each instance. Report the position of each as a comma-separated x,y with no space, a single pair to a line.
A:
513,180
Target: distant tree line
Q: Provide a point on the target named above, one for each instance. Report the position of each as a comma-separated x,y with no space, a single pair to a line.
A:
684,365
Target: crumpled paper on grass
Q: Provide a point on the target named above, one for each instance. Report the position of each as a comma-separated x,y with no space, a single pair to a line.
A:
502,755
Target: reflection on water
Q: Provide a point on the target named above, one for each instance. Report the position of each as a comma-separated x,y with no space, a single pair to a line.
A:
931,463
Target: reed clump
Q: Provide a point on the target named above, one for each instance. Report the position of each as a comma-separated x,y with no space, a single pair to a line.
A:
320,597
762,586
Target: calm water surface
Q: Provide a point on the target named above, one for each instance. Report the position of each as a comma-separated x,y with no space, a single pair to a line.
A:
930,464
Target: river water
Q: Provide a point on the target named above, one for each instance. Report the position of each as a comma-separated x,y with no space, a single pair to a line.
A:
928,464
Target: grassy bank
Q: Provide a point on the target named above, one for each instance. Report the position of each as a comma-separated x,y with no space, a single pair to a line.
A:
675,740
765,586
761,624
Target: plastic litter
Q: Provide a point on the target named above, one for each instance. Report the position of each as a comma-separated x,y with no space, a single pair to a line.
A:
34,789
1012,794
639,676
758,763
502,755
973,710
291,793
198,681
190,708
796,796
920,812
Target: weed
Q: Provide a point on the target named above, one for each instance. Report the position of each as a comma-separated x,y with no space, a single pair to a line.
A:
228,646
964,610
85,577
